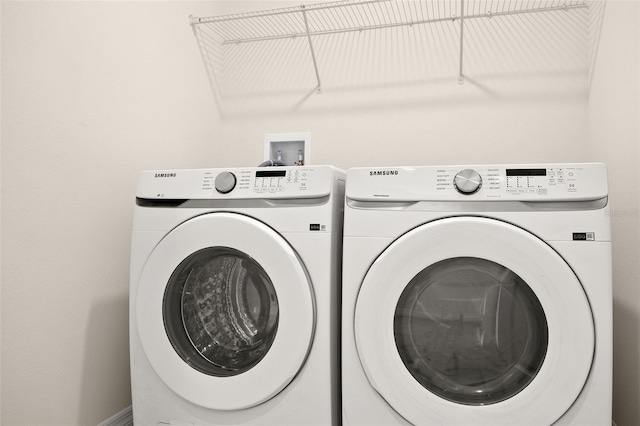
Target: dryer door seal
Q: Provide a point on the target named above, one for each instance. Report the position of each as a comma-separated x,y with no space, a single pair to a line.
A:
225,311
466,267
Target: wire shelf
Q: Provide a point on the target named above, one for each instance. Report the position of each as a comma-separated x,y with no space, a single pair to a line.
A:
309,22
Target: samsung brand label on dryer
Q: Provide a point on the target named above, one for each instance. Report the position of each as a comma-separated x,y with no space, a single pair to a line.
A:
165,175
384,173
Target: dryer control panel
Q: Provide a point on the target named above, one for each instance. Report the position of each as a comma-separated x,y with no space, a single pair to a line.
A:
532,182
238,183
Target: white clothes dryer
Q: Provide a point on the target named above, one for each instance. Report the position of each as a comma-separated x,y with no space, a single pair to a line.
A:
234,314
477,295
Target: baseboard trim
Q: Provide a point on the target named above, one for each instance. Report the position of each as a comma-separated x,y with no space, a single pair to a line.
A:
123,418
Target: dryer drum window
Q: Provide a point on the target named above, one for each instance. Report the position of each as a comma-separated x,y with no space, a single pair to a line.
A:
220,311
470,331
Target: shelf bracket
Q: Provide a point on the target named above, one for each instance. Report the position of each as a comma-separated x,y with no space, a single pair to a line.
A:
460,74
313,53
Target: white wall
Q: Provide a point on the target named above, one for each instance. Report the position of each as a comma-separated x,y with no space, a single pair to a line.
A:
93,92
614,137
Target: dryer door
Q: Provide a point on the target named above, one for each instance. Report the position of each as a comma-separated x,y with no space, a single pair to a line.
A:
225,311
472,320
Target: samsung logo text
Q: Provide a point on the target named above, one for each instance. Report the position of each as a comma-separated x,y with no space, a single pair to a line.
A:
165,175
383,173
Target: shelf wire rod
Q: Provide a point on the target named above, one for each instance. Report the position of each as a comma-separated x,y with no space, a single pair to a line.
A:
323,17
291,24
386,16
373,14
567,24
346,4
334,19
238,31
318,7
460,74
394,9
211,32
380,14
423,10
345,30
404,12
219,30
246,16
330,21
258,27
399,24
348,19
254,26
370,15
418,10
226,32
353,20
527,6
529,11
313,54
319,18
324,20
280,24
415,10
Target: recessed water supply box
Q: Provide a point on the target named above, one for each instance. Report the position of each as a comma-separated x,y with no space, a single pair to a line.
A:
288,149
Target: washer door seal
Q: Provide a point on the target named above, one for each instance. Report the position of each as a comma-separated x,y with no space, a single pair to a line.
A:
220,311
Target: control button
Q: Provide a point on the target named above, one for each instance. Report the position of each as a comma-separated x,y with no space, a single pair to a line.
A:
225,182
467,181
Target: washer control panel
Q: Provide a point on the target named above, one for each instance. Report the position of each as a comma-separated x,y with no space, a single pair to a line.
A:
237,183
551,182
265,181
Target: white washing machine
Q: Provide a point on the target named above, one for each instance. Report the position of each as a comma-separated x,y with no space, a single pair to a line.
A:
477,295
234,314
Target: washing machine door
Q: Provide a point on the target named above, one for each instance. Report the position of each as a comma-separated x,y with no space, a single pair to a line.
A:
225,311
471,320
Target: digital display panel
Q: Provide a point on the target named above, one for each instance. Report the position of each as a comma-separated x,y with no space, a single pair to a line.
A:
526,172
271,173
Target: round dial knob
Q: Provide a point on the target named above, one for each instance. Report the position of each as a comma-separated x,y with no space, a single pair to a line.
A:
225,182
467,181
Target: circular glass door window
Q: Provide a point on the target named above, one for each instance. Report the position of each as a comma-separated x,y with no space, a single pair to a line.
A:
220,311
470,331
